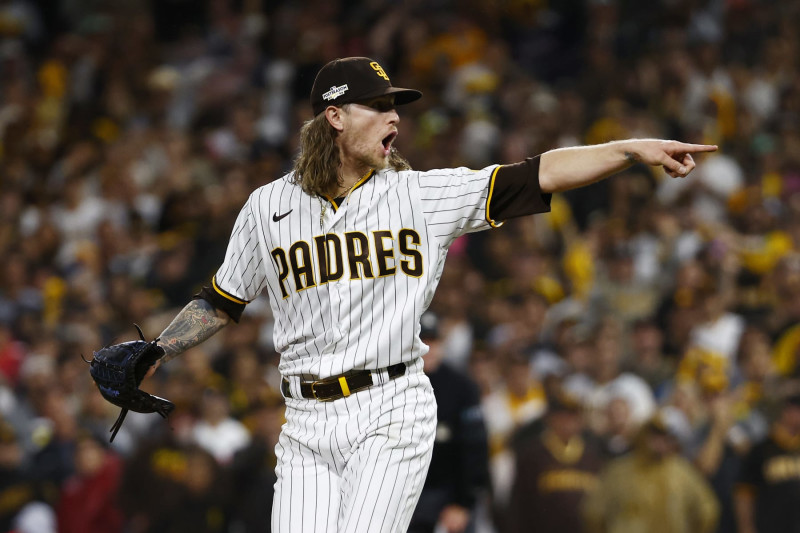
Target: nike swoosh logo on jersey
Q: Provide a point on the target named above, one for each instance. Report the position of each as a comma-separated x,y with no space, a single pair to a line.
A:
276,217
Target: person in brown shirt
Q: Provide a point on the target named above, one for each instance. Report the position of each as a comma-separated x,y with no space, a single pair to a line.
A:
768,489
555,468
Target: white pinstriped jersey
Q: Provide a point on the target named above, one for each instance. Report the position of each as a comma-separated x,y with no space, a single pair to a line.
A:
359,307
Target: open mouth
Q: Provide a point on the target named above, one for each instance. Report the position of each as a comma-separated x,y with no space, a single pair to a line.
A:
387,142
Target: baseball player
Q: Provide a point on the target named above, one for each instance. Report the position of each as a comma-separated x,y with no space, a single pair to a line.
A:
349,246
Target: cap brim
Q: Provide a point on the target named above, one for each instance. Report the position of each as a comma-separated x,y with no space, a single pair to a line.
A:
401,96
404,96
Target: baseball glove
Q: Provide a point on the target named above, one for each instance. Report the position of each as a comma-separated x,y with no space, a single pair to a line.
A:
119,369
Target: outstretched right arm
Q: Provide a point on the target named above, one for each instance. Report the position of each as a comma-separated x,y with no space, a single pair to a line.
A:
196,322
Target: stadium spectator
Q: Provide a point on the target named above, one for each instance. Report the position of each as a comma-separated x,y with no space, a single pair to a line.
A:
88,500
458,478
555,468
765,499
652,489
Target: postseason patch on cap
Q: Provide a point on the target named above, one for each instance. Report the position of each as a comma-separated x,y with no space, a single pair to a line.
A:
335,92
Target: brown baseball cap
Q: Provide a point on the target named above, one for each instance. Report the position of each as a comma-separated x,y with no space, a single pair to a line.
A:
355,79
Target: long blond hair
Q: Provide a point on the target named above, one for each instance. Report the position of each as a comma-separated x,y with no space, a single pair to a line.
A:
316,168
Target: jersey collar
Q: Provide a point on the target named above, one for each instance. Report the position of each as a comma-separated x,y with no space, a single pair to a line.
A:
336,202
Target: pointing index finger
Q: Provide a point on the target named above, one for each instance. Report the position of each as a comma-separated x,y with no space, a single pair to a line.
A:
695,148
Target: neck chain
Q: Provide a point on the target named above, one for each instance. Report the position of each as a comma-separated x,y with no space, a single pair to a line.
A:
348,191
324,204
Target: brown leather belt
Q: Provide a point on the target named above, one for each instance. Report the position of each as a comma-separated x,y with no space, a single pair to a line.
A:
335,387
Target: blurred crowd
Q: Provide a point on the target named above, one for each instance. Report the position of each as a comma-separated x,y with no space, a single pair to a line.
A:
635,353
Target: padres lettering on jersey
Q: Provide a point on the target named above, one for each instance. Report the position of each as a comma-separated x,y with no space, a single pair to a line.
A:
317,264
347,283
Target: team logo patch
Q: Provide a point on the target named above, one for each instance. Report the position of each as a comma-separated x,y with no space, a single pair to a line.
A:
335,92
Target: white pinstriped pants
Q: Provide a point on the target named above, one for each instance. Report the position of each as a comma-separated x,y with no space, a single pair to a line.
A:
356,464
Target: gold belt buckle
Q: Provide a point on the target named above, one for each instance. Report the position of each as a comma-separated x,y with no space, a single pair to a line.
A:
314,392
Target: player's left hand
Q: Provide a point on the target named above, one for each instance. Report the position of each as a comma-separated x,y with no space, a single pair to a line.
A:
674,156
152,369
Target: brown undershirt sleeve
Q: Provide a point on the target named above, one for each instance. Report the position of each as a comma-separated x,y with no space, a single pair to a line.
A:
515,192
223,301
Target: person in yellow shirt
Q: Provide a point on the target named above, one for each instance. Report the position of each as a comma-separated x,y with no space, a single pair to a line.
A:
652,489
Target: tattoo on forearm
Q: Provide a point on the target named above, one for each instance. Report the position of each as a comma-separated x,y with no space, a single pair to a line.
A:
631,157
195,323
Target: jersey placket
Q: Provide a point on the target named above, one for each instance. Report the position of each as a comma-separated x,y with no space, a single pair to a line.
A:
333,220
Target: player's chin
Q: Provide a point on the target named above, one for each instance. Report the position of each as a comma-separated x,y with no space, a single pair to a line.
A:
382,161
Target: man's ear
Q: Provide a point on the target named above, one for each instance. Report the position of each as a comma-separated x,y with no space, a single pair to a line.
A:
334,116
